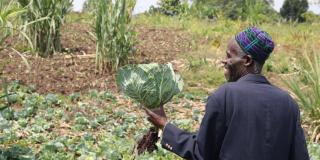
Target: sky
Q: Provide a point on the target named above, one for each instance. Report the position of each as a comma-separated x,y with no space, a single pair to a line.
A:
143,5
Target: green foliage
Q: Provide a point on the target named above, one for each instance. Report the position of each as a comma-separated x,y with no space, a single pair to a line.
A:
89,5
17,152
4,23
7,98
8,12
172,7
91,132
256,11
43,20
292,10
310,17
309,94
152,85
314,151
116,129
115,38
203,10
75,96
7,114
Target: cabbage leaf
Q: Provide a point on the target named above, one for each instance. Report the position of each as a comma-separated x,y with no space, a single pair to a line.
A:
152,85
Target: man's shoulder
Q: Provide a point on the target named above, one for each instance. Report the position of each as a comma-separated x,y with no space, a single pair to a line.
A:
236,87
222,90
228,86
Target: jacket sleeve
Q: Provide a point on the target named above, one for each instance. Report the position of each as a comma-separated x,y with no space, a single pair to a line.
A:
299,149
205,144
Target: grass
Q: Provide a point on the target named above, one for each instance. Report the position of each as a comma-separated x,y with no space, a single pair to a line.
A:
207,79
305,85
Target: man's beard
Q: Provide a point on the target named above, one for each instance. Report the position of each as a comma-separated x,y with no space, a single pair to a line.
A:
234,71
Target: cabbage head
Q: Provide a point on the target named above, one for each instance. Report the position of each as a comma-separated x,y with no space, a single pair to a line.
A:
152,85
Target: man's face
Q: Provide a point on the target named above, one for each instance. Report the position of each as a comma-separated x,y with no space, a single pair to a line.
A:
233,63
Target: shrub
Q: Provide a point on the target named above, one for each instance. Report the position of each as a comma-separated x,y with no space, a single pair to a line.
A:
310,17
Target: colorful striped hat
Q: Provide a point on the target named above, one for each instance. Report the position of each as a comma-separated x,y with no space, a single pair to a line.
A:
255,42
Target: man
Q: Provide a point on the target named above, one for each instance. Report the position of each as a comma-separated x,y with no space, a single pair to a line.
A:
246,118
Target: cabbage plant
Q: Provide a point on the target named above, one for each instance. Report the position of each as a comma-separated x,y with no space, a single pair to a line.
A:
152,85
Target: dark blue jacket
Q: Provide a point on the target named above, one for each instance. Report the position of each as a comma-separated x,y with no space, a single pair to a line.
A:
245,120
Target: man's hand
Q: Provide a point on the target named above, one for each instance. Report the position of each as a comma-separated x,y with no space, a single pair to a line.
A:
157,117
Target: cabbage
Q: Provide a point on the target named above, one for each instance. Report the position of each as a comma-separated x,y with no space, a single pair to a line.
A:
152,85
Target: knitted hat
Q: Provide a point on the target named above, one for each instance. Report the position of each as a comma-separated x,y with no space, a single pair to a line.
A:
255,42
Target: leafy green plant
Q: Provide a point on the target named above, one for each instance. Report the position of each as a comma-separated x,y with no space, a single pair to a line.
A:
17,152
76,96
152,85
113,33
43,20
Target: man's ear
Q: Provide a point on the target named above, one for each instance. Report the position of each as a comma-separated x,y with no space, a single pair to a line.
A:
248,60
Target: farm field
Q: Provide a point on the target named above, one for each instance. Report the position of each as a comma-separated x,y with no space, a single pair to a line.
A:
61,107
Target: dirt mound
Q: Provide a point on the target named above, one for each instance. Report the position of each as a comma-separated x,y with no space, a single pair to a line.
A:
161,44
59,74
74,69
76,39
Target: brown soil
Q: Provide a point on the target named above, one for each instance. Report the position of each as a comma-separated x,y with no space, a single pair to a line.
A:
76,39
59,74
74,69
148,141
161,45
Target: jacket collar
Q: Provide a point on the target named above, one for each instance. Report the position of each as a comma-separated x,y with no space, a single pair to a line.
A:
256,78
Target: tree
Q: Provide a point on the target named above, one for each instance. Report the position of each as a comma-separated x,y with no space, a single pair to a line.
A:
293,9
170,7
89,5
236,9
